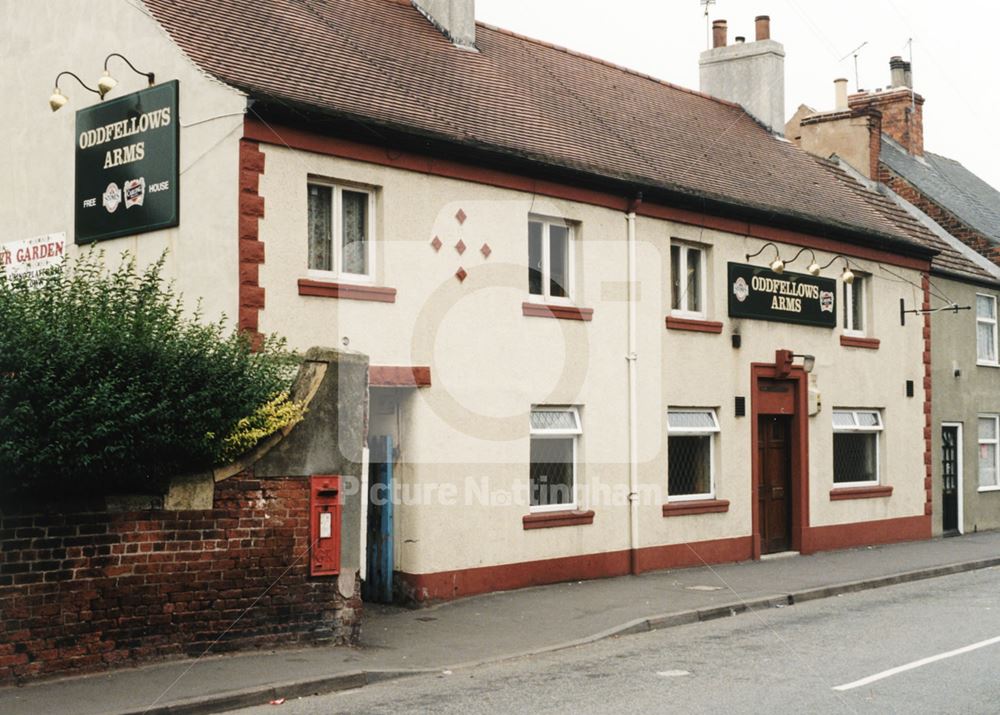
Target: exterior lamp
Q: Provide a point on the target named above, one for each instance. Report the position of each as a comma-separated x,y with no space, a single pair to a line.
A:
848,275
808,362
107,83
813,268
58,99
777,265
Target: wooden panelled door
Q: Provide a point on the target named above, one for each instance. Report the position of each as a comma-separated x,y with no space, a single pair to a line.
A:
949,479
774,492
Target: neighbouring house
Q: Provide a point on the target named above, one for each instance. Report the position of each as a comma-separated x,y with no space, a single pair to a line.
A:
880,136
613,324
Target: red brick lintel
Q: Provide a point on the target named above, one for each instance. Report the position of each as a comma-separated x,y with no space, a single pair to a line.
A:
849,341
697,326
398,376
550,519
346,291
860,493
702,506
562,312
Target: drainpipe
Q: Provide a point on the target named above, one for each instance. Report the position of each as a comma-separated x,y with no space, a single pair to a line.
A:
633,416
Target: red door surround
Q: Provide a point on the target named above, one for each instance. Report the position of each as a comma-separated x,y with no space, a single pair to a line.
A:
782,390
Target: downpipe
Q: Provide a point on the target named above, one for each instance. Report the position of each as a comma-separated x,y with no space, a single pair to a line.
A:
633,411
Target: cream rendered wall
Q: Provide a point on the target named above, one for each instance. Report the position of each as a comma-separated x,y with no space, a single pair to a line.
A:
490,364
40,39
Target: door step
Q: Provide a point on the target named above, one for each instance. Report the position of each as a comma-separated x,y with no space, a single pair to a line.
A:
779,555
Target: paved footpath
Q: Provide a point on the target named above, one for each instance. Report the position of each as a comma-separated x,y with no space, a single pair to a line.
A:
486,628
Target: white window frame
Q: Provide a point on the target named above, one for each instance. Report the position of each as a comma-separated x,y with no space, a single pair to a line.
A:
856,429
337,239
709,432
549,433
682,262
856,291
987,321
996,453
546,295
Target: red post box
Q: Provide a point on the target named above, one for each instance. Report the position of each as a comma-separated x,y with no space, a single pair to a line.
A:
325,502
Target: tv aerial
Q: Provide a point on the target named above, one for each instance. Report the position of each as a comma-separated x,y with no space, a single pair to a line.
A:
707,4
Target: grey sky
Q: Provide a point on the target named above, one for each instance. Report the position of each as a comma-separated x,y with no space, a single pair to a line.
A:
954,55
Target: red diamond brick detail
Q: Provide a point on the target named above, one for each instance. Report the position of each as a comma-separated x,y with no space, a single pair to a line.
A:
460,216
460,247
486,250
461,274
436,244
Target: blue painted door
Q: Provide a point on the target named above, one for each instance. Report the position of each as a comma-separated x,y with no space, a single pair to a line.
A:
377,587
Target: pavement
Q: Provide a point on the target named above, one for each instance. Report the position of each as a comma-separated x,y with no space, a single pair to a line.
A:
398,642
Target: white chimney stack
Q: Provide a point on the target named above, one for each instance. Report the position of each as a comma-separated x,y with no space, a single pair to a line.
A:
840,94
751,74
456,19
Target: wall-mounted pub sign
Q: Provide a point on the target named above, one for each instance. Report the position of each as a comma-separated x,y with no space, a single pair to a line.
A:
762,294
127,155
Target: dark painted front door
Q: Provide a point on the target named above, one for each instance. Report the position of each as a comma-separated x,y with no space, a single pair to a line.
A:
774,493
949,476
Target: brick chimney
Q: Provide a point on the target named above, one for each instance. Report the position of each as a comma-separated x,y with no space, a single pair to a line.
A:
751,74
902,109
456,19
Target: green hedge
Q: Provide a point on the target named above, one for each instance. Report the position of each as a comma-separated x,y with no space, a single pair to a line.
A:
106,385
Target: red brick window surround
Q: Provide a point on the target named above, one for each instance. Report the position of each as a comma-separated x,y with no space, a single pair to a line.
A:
560,312
692,325
346,291
701,506
553,519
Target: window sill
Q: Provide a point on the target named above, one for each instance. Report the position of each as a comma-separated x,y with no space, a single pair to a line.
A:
346,291
844,493
702,506
984,490
552,519
851,341
987,364
560,312
696,326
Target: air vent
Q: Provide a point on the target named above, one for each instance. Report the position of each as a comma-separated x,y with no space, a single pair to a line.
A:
741,407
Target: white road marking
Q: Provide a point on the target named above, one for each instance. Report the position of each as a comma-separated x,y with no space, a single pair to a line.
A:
673,673
917,664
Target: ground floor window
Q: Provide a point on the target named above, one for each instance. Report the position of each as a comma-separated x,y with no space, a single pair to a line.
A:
691,453
855,446
989,473
554,435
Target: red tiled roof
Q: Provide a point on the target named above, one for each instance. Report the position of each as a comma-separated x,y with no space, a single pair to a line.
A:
382,62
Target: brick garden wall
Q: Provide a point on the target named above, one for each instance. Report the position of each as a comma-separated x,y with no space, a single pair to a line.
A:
84,590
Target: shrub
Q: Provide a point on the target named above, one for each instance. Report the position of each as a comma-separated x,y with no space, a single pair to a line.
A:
106,385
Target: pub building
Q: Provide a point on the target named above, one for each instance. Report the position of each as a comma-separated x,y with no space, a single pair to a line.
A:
613,324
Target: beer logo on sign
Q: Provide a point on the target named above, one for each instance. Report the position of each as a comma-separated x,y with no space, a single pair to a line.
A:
112,197
740,289
826,301
135,192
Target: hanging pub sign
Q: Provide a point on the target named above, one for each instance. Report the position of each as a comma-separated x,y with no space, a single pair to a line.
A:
127,155
762,294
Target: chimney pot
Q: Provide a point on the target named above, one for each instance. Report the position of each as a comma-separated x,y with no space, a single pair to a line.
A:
763,24
897,69
908,75
840,94
719,33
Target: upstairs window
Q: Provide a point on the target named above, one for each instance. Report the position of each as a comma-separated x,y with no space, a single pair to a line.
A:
855,297
989,469
856,446
687,281
554,435
340,236
691,454
986,329
550,259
